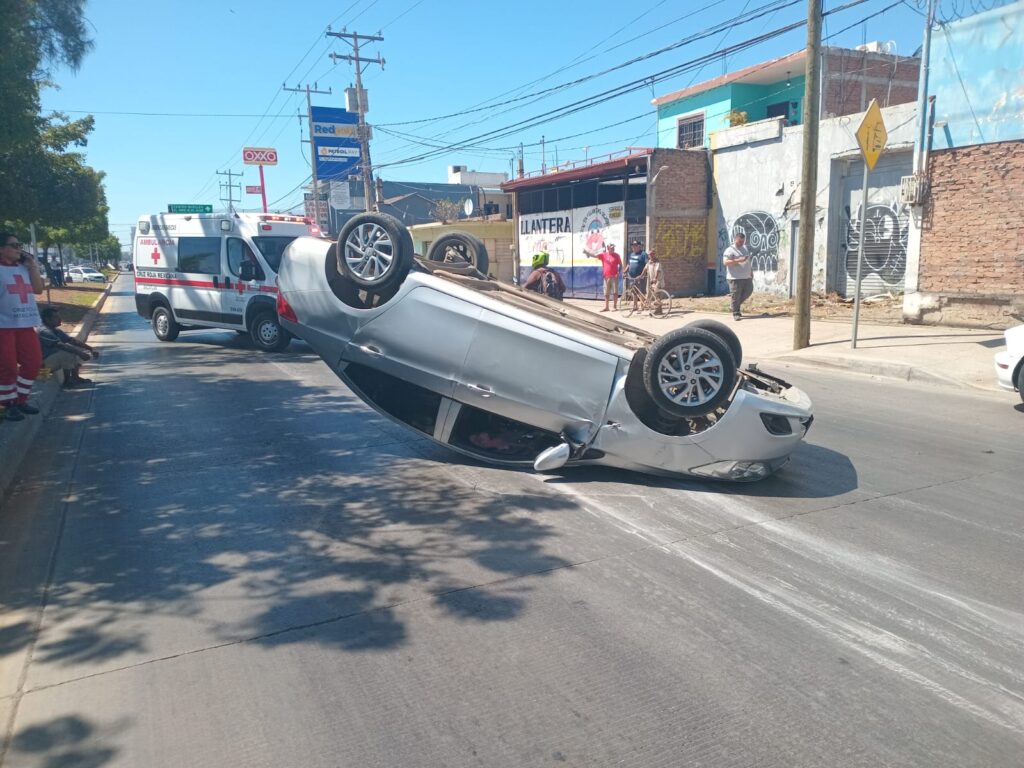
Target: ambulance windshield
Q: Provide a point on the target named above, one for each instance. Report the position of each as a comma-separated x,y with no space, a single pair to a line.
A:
271,248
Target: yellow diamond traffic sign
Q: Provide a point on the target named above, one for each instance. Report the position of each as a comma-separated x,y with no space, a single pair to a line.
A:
871,135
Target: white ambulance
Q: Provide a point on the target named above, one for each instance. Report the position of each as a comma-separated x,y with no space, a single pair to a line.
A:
214,271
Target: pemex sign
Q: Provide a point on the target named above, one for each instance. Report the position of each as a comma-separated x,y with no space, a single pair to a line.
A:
259,156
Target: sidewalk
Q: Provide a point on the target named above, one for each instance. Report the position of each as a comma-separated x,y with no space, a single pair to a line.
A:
16,437
956,357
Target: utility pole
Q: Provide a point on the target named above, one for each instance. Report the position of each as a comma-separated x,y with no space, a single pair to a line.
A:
808,180
353,38
230,186
312,144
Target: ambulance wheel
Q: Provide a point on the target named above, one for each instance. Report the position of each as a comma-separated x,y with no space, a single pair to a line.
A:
266,332
165,327
374,251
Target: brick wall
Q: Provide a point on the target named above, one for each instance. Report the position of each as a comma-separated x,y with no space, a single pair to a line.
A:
853,78
677,217
972,239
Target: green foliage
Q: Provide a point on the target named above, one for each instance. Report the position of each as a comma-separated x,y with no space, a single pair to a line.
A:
41,178
736,117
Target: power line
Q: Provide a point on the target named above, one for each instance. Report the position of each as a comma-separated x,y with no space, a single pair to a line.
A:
632,86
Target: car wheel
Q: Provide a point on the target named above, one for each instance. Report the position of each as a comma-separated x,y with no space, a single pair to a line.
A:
661,304
165,327
725,333
374,251
460,248
266,332
689,372
1020,381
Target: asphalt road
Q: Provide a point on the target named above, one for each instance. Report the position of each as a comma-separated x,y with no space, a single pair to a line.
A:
219,557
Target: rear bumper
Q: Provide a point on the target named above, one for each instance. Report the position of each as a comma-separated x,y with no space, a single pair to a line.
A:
1004,367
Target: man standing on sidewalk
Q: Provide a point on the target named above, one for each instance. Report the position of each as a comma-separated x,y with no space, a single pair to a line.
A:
611,264
20,356
739,272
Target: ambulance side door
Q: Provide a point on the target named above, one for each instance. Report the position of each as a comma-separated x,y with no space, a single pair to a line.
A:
196,297
237,292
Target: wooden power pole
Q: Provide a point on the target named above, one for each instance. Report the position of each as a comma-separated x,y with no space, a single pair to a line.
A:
353,38
808,179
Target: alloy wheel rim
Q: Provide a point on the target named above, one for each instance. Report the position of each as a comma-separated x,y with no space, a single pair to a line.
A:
690,374
369,251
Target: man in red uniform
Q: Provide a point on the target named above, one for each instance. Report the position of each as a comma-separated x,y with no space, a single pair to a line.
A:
20,353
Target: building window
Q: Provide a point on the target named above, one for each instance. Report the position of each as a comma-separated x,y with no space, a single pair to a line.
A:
691,132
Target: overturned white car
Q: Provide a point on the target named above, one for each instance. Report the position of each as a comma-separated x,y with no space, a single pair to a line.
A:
515,378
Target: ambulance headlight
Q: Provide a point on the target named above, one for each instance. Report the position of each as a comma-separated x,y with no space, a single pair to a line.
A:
143,227
225,225
740,471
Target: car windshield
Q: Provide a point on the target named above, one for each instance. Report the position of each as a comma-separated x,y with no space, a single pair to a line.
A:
272,248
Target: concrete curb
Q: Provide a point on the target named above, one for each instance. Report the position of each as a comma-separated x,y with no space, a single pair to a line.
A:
882,368
16,437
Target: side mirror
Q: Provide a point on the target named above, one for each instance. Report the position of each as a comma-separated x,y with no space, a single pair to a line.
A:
552,458
247,271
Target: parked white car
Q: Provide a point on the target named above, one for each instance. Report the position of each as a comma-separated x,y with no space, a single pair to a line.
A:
85,275
1010,361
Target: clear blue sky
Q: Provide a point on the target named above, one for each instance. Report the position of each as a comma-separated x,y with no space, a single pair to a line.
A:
230,57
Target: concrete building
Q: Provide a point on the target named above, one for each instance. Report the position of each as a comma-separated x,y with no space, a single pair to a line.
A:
459,174
657,196
756,182
850,79
966,261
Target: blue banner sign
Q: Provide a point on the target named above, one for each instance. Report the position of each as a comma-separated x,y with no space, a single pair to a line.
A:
335,142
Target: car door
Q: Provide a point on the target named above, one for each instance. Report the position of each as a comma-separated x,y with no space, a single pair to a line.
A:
536,375
196,297
236,292
421,336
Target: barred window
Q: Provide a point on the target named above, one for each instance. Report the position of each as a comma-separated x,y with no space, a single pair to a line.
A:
691,132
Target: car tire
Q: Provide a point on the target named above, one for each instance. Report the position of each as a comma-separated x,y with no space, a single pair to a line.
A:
689,372
460,248
725,333
1020,382
165,327
266,332
374,251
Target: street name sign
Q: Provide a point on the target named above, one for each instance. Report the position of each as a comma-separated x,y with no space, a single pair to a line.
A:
871,135
189,208
259,156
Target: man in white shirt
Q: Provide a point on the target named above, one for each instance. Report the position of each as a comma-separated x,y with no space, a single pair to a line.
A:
739,273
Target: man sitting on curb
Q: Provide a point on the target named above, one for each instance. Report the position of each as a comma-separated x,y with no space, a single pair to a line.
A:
62,352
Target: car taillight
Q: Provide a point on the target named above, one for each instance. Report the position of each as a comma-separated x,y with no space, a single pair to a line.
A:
284,309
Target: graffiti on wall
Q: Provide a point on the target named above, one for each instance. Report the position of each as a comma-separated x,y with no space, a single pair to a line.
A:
762,233
885,242
674,237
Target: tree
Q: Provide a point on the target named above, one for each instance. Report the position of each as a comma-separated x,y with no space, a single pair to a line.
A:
41,179
445,210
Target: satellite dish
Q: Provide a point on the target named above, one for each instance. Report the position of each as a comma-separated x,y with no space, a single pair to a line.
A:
468,207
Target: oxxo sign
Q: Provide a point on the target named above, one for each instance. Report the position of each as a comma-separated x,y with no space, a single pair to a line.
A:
259,156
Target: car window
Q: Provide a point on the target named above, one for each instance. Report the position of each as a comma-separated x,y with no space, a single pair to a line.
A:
240,252
406,402
499,438
199,254
271,249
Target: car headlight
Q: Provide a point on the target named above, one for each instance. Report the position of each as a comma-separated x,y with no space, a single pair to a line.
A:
742,471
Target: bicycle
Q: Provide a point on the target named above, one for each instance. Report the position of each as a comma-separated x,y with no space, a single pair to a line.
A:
657,302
